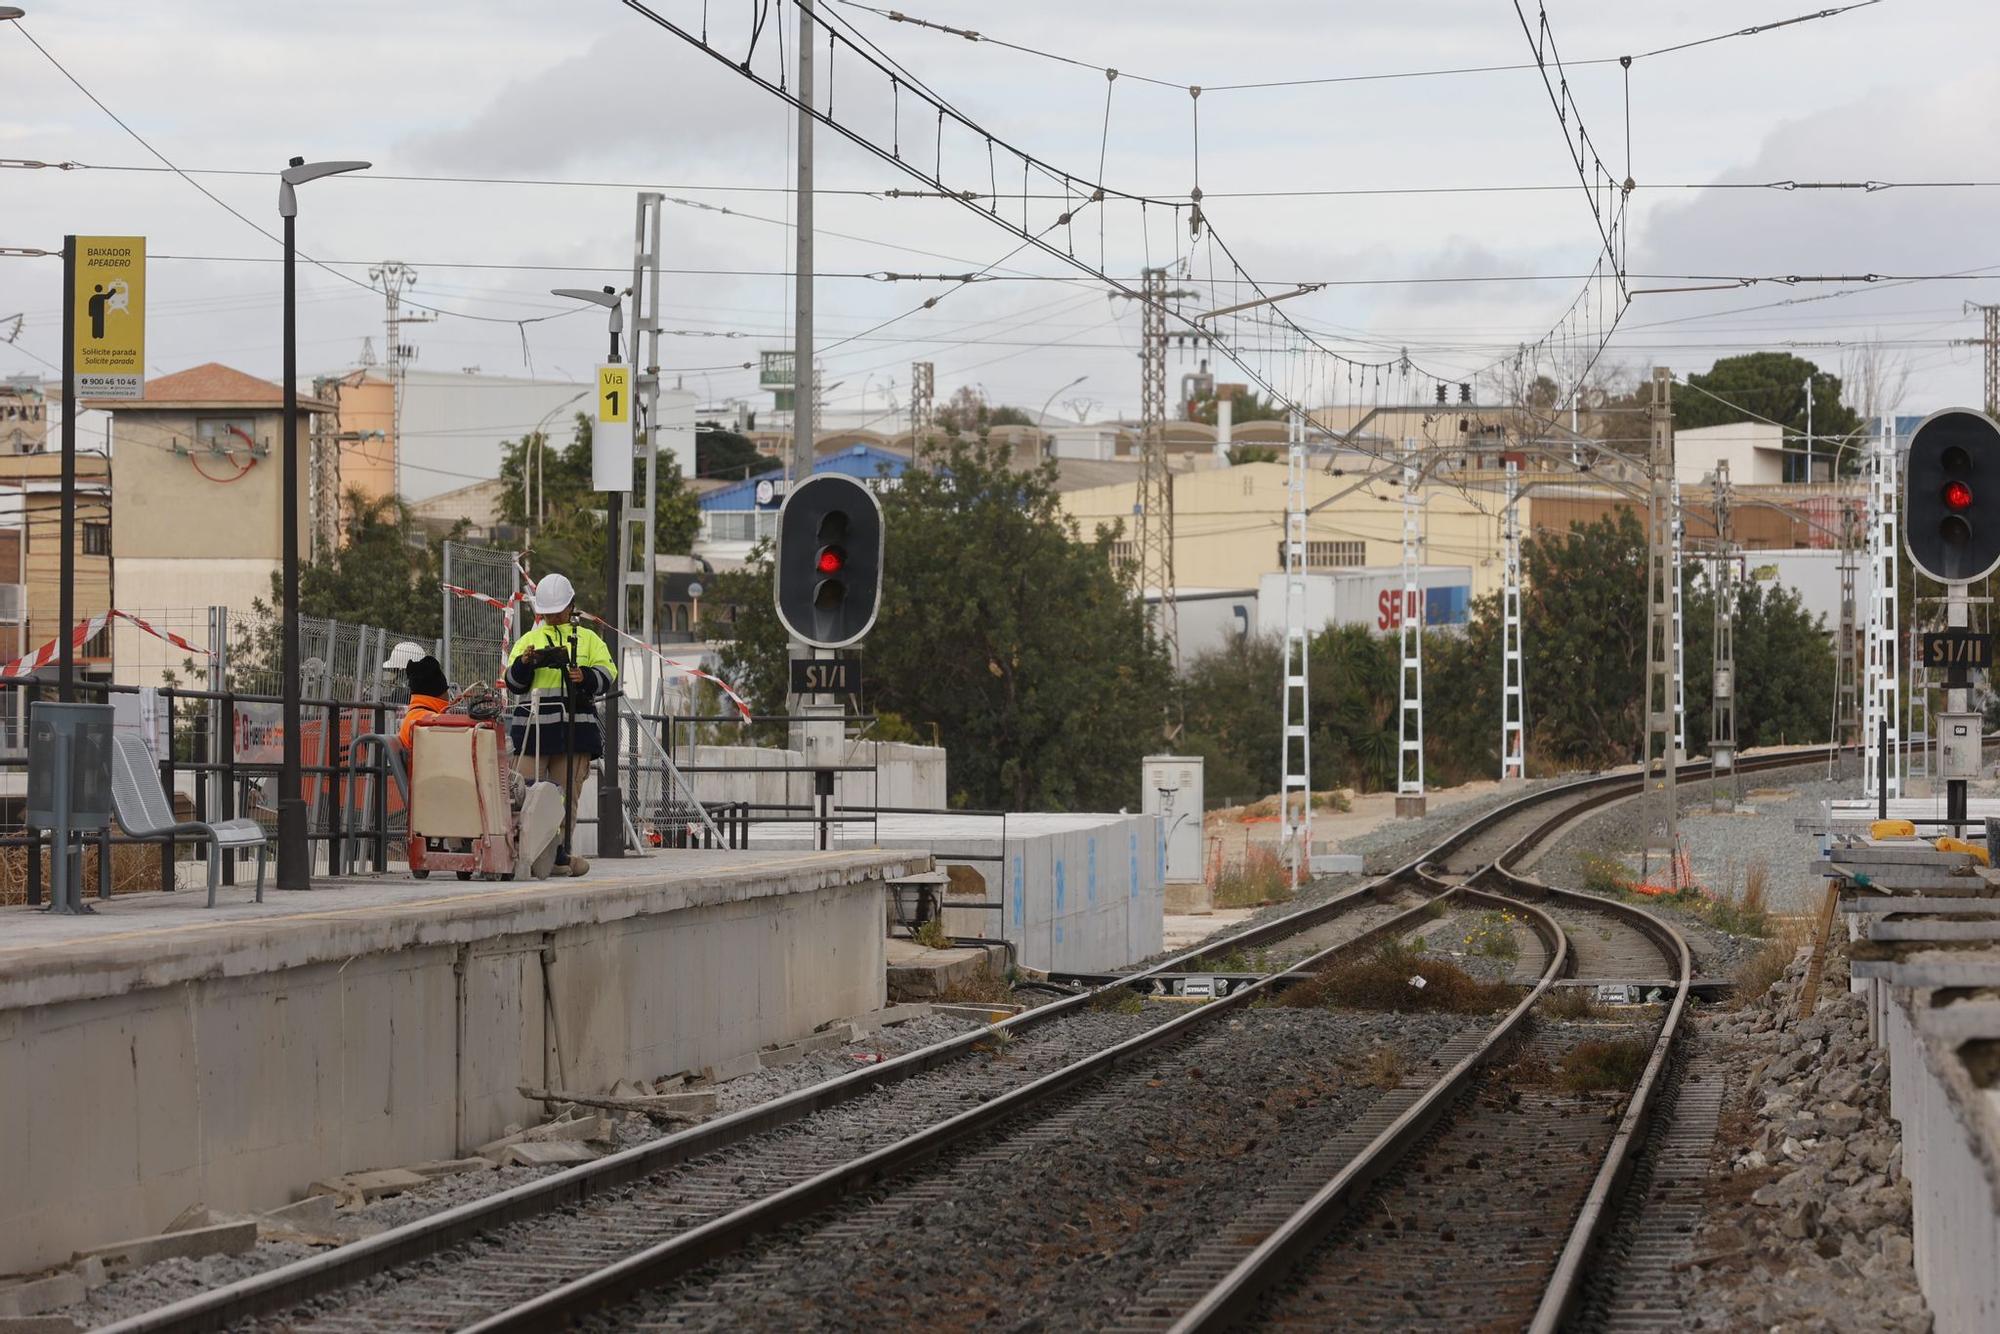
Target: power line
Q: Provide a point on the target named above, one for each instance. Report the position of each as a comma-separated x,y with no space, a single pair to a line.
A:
894,193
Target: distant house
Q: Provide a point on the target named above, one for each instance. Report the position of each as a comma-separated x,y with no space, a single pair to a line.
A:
737,516
198,499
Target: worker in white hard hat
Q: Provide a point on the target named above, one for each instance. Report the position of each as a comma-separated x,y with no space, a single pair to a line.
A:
429,692
563,668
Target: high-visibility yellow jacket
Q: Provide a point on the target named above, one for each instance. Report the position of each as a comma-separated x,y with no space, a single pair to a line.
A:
559,717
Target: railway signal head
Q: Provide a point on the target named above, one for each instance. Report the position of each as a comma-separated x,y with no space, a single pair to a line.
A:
829,561
1951,496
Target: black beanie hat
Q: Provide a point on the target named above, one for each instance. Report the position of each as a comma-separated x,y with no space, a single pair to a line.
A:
426,677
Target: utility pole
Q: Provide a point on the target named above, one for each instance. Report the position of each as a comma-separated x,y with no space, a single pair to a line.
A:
1722,714
1809,430
923,389
1661,800
323,477
396,277
1410,643
1155,518
1513,737
805,384
1990,344
1295,796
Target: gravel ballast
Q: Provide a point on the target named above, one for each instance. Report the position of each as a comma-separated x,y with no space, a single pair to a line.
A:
1809,1222
1056,1223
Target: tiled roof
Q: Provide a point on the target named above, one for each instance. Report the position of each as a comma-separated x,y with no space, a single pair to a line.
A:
215,385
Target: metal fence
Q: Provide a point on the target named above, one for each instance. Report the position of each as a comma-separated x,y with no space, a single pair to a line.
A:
475,634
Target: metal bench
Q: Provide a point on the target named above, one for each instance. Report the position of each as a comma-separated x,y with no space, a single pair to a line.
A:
143,811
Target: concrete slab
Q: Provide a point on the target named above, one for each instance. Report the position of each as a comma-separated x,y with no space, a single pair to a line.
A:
218,1239
919,974
41,1294
235,1055
547,1153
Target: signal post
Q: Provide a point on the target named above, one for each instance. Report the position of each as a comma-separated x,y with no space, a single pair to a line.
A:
1951,527
827,577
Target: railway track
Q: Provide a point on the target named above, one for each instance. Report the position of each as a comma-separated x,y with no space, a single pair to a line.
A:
555,1249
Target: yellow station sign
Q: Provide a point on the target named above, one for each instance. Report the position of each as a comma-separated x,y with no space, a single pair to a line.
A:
109,298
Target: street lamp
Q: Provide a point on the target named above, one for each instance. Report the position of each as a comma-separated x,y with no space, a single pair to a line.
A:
610,812
1042,417
294,853
8,12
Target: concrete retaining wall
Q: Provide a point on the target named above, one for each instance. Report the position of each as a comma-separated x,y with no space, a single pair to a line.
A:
910,776
1080,893
1949,1148
237,1088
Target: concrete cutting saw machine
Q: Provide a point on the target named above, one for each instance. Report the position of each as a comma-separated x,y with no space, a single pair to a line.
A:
469,811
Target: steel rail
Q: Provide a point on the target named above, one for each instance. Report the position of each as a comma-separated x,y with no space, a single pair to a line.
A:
291,1285
1234,1299
667,1260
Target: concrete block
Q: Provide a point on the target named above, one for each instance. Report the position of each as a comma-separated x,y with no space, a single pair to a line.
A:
451,1167
218,1239
577,1128
697,1102
304,1213
359,1188
91,1270
888,1018
38,1324
194,1216
734,1068
986,1014
41,1294
773,1057
547,1153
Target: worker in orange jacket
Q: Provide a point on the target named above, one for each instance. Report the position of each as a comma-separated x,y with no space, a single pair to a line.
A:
430,693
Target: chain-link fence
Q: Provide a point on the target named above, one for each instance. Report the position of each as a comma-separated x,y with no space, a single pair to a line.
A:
475,632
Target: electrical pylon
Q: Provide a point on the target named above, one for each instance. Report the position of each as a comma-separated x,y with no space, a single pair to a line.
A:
1295,796
1513,736
1661,801
1722,713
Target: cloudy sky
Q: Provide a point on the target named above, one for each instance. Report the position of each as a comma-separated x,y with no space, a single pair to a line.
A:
564,111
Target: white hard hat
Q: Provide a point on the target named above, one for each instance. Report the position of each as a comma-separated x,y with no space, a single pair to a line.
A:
404,654
553,594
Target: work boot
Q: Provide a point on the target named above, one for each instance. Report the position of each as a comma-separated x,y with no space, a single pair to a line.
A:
577,865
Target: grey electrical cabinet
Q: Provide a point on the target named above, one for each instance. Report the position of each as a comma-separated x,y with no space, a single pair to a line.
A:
84,730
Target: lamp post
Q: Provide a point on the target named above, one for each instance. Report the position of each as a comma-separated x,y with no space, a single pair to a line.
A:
1042,417
294,852
610,813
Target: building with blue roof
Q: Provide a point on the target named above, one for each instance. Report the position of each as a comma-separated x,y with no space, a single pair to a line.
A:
734,518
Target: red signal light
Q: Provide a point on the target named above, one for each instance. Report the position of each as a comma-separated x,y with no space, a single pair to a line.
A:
1957,495
831,561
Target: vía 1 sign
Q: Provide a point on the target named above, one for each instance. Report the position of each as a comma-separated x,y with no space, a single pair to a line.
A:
611,434
108,296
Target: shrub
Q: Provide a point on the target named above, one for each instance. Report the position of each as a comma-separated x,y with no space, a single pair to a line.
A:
1755,974
1381,981
1606,875
1569,1003
1493,936
932,935
1258,879
1614,1063
1386,1068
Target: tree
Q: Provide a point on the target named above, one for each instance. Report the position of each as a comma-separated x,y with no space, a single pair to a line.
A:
570,535
1000,628
385,572
721,453
1769,386
1241,454
967,413
1248,406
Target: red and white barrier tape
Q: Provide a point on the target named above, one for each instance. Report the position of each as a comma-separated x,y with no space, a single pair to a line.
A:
28,664
507,607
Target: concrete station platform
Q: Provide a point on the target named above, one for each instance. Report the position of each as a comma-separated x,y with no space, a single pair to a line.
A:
158,1053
